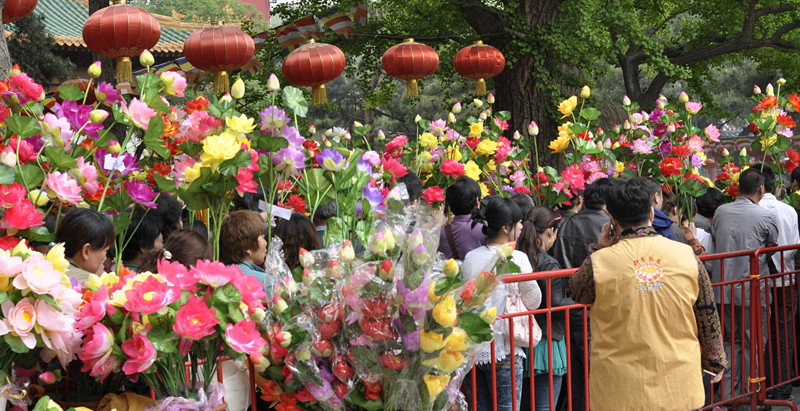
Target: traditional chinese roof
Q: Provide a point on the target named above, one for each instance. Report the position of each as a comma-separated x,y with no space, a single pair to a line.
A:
64,20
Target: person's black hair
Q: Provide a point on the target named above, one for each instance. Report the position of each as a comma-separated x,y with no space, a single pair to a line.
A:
413,186
708,203
524,201
537,221
796,175
462,195
769,177
141,234
169,210
594,195
750,180
669,203
574,199
655,186
630,201
324,212
496,213
296,232
81,226
249,201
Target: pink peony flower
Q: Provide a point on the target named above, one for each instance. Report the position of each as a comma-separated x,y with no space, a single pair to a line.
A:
10,195
640,146
19,321
58,331
94,310
174,84
574,176
30,89
194,320
244,337
141,354
97,352
87,176
216,274
150,295
251,289
140,113
177,274
246,183
693,107
39,276
712,132
65,187
199,124
21,216
695,144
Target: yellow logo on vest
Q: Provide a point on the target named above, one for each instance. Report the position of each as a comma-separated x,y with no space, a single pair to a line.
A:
648,271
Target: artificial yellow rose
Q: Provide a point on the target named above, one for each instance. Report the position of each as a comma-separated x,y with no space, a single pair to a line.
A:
564,130
436,384
559,144
475,129
567,106
192,173
219,148
21,250
450,268
472,170
735,177
432,293
139,175
241,124
486,147
449,360
431,341
108,279
453,153
484,189
424,162
768,142
619,168
56,257
491,165
428,141
445,312
38,197
140,327
458,340
488,315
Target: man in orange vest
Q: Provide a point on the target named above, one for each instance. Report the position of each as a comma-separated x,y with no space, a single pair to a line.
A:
655,327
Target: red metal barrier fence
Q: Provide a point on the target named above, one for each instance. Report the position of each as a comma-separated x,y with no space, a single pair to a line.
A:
753,313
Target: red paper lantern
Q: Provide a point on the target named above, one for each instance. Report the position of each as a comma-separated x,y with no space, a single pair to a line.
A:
17,9
219,49
313,65
120,32
410,61
479,62
81,84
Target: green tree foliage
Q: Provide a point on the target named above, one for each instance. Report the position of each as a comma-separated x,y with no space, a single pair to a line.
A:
43,65
201,10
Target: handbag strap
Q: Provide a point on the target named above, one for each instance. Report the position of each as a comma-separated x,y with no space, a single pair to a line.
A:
449,232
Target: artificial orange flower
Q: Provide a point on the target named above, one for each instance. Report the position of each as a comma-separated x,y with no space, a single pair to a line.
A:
170,128
198,104
794,100
786,121
768,102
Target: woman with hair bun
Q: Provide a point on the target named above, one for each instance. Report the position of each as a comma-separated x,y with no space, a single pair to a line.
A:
502,224
86,235
183,246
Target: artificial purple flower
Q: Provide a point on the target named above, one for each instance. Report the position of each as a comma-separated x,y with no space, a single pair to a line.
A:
697,161
289,160
438,127
107,93
292,135
375,198
78,117
411,341
656,115
364,165
665,148
322,392
124,163
411,299
332,160
373,157
141,193
660,130
508,189
272,118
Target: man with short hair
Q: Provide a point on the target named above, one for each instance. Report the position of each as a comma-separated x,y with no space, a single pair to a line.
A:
741,225
654,323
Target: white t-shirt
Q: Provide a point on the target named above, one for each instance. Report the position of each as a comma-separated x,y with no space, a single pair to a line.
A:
786,217
483,258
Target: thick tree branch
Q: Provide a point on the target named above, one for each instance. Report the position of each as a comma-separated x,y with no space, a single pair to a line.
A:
484,19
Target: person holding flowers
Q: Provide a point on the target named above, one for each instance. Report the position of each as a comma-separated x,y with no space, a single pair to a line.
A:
502,227
86,235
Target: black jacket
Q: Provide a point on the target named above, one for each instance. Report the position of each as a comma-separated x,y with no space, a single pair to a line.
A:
558,290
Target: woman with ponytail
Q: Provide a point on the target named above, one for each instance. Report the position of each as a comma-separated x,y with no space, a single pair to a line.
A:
502,224
539,232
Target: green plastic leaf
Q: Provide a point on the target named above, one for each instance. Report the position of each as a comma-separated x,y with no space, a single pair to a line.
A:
163,339
23,126
587,147
164,185
591,113
6,174
298,337
152,139
70,92
227,294
294,100
29,175
3,297
58,156
15,343
445,284
272,144
477,329
321,291
39,233
231,166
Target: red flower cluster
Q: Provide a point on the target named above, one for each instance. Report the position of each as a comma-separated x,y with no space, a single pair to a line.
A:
671,166
786,121
198,104
766,103
433,194
680,150
452,168
794,159
394,148
733,190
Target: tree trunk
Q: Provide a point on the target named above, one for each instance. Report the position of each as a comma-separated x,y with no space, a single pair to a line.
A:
5,58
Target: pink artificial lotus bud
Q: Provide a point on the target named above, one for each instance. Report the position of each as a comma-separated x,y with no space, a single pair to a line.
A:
347,253
146,59
323,347
260,363
47,377
600,132
95,69
516,135
308,277
756,89
172,115
483,115
312,129
334,270
456,108
273,84
329,313
306,259
627,125
8,157
533,129
770,90
585,92
626,101
283,339
98,116
386,271
114,147
616,128
671,127
378,244
381,135
279,305
477,102
659,104
683,97
725,152
347,136
490,98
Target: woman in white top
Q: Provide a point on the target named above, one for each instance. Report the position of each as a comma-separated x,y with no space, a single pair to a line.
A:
503,224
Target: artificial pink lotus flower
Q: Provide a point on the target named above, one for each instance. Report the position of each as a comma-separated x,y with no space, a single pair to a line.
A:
251,289
56,130
10,195
140,113
65,187
712,132
94,310
194,320
97,352
246,183
693,107
150,296
695,144
216,274
58,331
141,354
244,337
174,84
87,176
199,124
19,321
47,377
177,274
10,266
39,276
21,216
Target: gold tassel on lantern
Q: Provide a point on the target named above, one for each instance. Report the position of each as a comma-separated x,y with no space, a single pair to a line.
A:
124,70
319,95
480,87
411,88
221,82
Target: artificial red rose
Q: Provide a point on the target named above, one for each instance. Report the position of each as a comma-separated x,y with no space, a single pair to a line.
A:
733,190
584,136
468,292
329,330
374,307
303,395
277,353
296,203
372,390
8,242
394,148
754,128
522,189
393,167
433,194
723,176
680,150
393,361
378,330
311,145
452,169
670,166
542,177
472,142
342,369
323,347
793,155
340,389
730,168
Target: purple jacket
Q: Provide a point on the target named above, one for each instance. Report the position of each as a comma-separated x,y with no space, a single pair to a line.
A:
466,237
